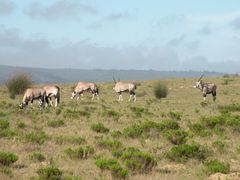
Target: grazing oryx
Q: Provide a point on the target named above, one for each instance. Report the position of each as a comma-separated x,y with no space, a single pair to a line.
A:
85,86
206,88
52,91
31,94
125,87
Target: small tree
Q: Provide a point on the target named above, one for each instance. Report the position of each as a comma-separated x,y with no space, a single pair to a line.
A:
160,90
18,83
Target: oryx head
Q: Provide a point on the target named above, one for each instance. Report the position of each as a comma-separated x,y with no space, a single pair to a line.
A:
199,82
22,105
115,82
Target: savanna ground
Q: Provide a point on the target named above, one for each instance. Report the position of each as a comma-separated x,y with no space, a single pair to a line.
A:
150,125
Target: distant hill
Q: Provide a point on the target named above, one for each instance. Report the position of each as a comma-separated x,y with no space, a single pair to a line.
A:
41,75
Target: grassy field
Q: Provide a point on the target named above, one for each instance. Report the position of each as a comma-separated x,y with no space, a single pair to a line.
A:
178,137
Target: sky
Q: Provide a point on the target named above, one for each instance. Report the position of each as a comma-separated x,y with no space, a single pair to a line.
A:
127,34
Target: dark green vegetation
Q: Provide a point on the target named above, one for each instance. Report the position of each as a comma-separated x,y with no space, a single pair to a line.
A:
18,83
50,172
7,158
160,90
214,166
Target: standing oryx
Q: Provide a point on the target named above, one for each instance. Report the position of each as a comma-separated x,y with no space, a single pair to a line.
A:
206,88
85,86
31,94
52,91
121,87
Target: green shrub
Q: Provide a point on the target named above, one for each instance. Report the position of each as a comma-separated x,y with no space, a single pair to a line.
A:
225,82
111,114
18,83
139,111
68,113
136,130
79,153
220,146
109,144
6,158
136,160
55,123
7,133
116,134
4,124
183,152
212,121
175,115
37,157
133,131
176,136
214,166
70,140
50,173
99,128
160,90
200,130
111,164
38,137
21,125
229,108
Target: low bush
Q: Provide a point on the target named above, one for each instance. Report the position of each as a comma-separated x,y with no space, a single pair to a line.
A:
79,153
109,144
37,157
18,83
184,152
50,172
7,133
6,158
113,165
4,124
73,114
99,128
138,112
69,140
38,137
176,136
116,134
220,146
214,166
175,115
137,130
55,123
160,90
111,114
136,160
21,125
200,130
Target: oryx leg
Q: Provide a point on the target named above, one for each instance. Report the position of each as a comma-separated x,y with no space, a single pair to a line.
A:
93,95
56,101
214,95
97,96
204,96
120,98
50,100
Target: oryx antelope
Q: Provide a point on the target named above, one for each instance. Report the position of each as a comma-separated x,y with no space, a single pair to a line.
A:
206,88
52,91
121,87
31,94
85,86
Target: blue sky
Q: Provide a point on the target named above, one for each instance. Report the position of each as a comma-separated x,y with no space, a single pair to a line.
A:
126,34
